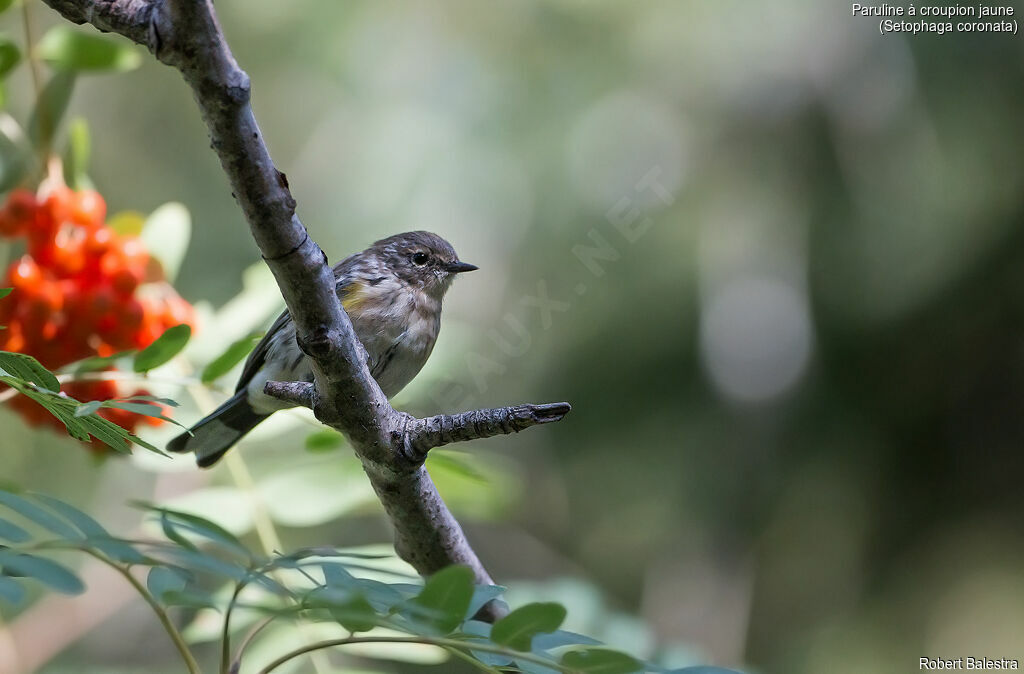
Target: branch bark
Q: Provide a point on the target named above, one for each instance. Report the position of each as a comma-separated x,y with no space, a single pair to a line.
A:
392,446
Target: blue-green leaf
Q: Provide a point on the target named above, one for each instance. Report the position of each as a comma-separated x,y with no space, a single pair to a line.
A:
163,579
196,560
166,346
67,48
231,357
601,661
516,630
546,642
46,571
480,629
445,598
11,590
174,522
87,408
43,518
96,536
529,667
12,532
481,595
346,605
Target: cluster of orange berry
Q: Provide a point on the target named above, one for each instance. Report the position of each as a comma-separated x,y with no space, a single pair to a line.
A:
77,292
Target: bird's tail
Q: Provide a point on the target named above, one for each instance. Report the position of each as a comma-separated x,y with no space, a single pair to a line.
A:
218,432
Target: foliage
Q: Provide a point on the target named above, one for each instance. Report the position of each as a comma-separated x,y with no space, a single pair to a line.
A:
25,375
323,585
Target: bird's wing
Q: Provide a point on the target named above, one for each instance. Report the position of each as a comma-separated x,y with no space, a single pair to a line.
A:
345,288
259,355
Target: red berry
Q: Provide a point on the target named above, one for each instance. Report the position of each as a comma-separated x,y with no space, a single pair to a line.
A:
88,208
59,204
24,274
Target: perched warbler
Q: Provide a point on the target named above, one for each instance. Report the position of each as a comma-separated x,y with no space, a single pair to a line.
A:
392,292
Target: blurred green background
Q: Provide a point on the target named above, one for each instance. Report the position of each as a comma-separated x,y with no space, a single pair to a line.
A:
773,259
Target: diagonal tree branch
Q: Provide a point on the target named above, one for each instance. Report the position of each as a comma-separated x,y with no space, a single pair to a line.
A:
392,446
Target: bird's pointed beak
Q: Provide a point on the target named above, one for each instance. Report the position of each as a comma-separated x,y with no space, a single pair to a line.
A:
459,267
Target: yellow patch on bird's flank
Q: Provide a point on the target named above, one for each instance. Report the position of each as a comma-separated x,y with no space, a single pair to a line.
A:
353,295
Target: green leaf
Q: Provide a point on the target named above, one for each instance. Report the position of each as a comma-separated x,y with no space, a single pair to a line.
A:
43,518
5,5
167,346
76,157
46,571
66,48
166,234
87,408
12,532
445,598
163,579
150,399
4,292
145,409
50,109
703,670
11,590
517,629
189,599
231,357
455,463
324,441
10,55
127,223
80,428
601,661
95,363
28,369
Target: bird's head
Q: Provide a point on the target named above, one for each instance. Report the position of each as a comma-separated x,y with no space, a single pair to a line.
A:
422,260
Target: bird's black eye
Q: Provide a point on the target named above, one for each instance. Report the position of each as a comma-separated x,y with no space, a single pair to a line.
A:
419,259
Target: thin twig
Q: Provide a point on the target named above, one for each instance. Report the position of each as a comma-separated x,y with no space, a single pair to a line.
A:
161,614
266,532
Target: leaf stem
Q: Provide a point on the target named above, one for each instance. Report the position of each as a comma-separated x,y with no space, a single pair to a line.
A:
161,614
33,65
225,634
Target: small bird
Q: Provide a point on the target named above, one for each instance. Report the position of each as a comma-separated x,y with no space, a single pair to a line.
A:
392,292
